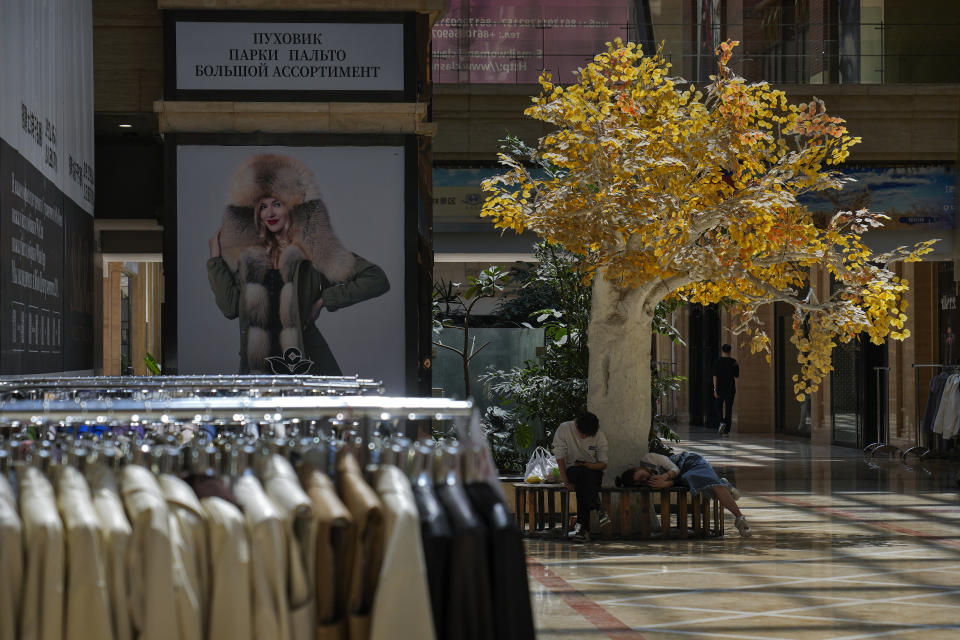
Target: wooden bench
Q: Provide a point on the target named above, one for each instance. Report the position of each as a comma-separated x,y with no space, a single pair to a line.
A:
696,517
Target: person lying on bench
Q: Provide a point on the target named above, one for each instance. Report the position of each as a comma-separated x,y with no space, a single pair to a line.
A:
691,470
581,453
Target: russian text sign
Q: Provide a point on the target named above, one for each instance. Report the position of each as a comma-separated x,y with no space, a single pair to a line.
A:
256,56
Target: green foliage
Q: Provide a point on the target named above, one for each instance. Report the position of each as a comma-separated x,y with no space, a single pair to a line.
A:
450,301
554,295
662,383
507,440
553,389
151,363
661,320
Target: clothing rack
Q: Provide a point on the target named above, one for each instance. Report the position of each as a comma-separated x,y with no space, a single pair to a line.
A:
215,408
341,483
883,421
921,451
250,403
27,388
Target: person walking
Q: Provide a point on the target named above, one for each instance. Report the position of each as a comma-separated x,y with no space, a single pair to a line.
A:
725,374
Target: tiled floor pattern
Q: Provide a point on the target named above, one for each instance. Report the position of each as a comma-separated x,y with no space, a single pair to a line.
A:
843,548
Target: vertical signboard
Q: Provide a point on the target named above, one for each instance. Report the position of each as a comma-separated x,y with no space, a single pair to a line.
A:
46,186
291,254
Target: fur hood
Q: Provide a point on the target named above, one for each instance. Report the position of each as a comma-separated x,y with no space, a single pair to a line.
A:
291,182
269,174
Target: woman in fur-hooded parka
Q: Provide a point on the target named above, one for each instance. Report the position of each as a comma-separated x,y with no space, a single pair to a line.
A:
277,281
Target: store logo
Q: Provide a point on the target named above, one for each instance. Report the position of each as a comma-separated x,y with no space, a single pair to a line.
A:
291,363
948,302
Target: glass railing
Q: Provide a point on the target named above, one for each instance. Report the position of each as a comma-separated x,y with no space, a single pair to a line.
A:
505,52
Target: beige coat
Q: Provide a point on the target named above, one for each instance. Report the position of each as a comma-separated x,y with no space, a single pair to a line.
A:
268,567
402,600
336,542
150,562
188,535
229,616
11,561
367,511
300,527
41,609
114,531
87,606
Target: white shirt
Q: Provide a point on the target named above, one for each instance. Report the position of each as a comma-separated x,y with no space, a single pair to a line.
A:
662,462
569,446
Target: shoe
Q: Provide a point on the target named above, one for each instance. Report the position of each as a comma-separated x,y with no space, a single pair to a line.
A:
742,526
722,429
605,524
581,536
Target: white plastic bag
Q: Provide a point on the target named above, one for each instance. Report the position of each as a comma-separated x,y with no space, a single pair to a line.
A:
542,467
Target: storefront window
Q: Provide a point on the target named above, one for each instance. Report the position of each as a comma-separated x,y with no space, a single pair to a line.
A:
947,309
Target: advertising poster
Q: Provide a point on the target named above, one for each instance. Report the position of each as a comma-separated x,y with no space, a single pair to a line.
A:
497,41
46,186
457,193
291,260
913,196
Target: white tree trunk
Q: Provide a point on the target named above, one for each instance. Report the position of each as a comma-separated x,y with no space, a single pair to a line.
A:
619,373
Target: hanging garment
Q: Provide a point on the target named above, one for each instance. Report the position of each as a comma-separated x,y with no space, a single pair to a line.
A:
933,400
11,561
512,615
211,487
191,567
437,540
114,531
948,412
153,608
402,600
336,543
268,560
41,606
86,599
469,609
367,512
300,526
229,616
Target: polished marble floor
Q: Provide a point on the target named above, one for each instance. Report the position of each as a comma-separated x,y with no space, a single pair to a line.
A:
844,547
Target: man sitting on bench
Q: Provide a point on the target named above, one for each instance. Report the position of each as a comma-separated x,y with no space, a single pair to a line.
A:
581,453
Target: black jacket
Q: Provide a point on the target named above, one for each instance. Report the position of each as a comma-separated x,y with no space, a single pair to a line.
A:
469,612
437,539
512,615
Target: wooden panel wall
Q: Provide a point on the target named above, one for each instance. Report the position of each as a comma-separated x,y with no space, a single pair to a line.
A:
110,365
921,348
754,405
127,55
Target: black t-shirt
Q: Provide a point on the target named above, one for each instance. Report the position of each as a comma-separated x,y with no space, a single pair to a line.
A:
726,370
